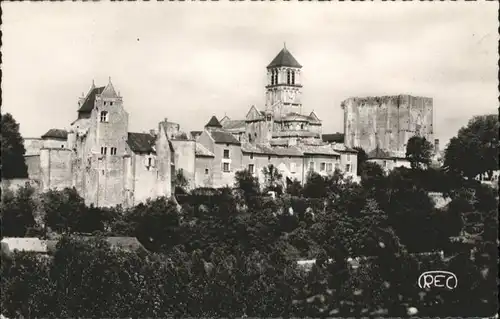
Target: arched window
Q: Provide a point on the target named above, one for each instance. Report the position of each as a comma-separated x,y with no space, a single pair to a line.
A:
104,116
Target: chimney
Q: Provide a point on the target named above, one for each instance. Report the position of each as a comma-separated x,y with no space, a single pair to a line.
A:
436,146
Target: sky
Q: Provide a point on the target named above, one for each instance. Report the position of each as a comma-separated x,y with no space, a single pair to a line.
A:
187,61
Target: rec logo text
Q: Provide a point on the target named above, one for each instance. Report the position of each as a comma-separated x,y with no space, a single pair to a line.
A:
438,279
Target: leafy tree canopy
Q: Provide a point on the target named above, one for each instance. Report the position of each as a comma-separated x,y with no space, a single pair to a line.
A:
13,164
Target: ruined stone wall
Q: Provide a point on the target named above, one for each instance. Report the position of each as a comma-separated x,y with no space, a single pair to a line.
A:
33,146
55,168
203,172
33,164
145,177
185,159
387,122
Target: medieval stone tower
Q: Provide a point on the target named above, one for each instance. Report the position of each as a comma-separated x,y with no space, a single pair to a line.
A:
284,89
387,122
99,141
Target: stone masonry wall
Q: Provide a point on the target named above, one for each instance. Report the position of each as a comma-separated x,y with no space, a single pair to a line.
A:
185,159
55,168
387,122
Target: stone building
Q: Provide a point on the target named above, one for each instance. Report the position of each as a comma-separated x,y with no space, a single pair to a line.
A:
387,122
108,165
280,133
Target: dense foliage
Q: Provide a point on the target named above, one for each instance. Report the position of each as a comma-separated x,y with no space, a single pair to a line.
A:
232,252
12,161
419,152
475,149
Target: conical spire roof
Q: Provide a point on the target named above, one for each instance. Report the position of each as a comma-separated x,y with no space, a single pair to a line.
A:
214,122
284,58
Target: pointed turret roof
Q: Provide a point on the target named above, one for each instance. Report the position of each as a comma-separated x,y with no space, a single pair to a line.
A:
284,58
214,122
109,90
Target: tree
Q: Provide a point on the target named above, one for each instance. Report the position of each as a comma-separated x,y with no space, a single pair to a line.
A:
315,186
12,145
273,179
418,152
294,188
362,159
17,211
64,210
248,184
475,149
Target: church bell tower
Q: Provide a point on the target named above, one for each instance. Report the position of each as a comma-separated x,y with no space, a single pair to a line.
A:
284,88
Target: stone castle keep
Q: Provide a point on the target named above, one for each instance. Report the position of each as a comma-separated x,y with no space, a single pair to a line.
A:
109,165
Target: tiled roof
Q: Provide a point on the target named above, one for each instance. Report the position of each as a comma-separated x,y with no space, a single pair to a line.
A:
284,58
141,142
294,117
56,133
88,104
335,137
214,122
223,137
318,150
294,133
234,125
202,151
271,150
195,134
342,148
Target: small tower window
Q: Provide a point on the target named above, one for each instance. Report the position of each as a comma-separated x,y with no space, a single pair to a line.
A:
275,77
110,103
288,77
104,150
293,77
113,151
104,116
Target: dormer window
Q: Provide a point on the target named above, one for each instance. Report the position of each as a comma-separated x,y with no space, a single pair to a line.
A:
104,116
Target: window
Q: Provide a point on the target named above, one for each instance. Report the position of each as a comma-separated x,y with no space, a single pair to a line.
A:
225,167
311,166
292,167
251,155
249,137
301,126
385,163
288,77
150,160
104,116
113,151
268,117
226,153
269,158
293,77
206,171
348,168
322,167
110,103
337,166
348,157
104,102
273,72
329,167
62,146
104,150
250,168
275,77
